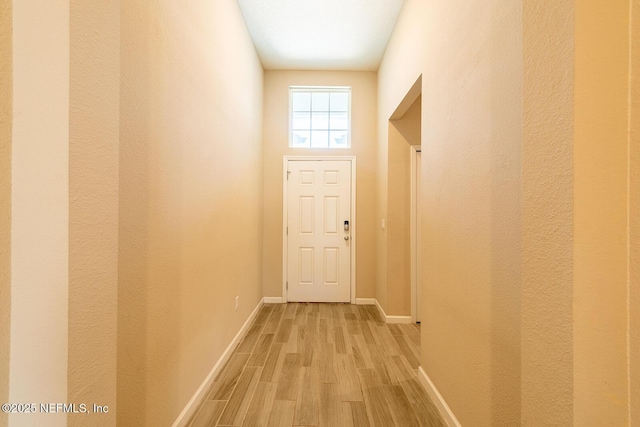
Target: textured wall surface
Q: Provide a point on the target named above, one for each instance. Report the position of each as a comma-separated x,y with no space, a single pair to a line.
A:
276,145
403,133
470,58
547,228
5,198
94,96
40,207
404,58
190,231
634,217
600,157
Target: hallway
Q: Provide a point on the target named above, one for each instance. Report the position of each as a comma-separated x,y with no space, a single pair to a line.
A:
321,364
143,220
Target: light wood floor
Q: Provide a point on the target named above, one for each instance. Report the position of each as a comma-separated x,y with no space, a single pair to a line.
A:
321,365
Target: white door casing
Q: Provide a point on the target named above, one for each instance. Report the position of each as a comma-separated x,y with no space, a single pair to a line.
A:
418,213
318,249
416,233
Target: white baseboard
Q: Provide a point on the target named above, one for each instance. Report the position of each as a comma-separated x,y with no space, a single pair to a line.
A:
365,301
200,394
392,319
273,300
445,411
399,319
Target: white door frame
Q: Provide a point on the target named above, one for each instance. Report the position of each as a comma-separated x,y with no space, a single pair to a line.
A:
412,233
285,220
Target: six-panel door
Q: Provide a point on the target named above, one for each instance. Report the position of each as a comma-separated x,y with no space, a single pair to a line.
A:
319,246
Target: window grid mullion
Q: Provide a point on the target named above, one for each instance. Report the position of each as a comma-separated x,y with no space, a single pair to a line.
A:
310,117
329,121
328,129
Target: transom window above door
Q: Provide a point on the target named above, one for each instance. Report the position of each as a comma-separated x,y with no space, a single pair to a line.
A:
320,117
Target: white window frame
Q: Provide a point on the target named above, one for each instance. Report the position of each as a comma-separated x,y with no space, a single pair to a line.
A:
326,89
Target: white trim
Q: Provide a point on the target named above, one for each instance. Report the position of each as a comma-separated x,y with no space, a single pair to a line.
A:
273,300
285,220
399,319
446,412
392,319
194,403
365,301
413,232
353,226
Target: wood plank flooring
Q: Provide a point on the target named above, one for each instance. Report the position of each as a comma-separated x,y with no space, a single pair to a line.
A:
321,365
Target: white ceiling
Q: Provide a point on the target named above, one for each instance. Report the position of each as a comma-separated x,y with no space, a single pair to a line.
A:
320,34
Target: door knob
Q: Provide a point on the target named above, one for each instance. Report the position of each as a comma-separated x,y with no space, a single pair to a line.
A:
346,237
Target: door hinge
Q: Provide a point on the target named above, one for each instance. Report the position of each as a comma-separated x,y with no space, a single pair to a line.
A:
287,230
287,285
288,172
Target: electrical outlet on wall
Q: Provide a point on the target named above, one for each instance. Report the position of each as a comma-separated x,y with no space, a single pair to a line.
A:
237,300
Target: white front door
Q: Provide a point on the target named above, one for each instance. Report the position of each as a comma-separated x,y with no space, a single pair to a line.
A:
318,240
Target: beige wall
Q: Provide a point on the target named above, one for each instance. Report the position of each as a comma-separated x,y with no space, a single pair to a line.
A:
529,185
634,217
526,162
276,145
547,210
470,58
403,132
40,207
5,198
94,94
190,231
600,157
